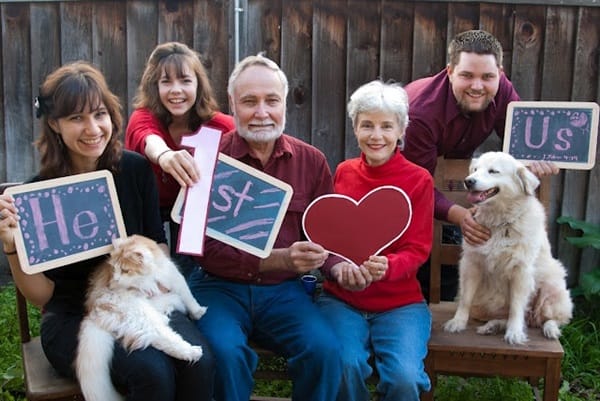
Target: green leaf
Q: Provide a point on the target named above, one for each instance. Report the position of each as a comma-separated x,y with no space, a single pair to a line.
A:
587,228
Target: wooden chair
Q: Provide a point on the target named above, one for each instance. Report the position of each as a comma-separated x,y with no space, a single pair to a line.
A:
42,382
468,353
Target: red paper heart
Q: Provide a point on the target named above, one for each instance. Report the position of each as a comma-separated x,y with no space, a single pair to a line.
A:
357,230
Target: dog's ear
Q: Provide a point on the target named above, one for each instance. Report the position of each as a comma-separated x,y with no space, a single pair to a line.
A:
529,182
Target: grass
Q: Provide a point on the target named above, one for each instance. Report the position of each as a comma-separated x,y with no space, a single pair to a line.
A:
580,366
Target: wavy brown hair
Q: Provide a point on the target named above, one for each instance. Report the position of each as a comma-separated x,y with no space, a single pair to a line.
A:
71,89
177,55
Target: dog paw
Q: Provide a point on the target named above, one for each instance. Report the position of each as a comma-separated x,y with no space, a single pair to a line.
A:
455,325
198,312
194,354
515,337
551,329
491,327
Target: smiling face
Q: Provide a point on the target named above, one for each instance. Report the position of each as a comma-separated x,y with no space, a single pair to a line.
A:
177,91
475,80
258,104
85,134
377,133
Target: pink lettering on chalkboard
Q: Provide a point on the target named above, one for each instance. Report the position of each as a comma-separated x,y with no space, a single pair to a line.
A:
225,190
38,221
560,135
528,134
79,223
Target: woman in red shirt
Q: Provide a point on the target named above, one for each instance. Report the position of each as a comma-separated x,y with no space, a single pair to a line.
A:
174,99
378,307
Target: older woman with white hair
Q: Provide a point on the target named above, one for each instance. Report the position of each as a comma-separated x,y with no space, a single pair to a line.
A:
378,308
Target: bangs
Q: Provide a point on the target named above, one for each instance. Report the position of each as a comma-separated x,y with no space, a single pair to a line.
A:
76,95
175,64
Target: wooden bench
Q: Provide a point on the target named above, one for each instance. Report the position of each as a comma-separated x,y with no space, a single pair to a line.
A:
464,354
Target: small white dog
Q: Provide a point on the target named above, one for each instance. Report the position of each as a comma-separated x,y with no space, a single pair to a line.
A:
512,281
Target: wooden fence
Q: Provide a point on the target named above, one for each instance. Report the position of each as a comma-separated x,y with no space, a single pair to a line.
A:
326,47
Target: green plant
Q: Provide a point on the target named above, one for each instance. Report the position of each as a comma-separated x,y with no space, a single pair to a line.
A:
589,283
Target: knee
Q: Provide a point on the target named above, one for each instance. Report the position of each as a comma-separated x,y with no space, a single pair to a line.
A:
324,350
408,380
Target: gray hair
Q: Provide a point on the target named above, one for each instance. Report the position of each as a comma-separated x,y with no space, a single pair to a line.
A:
259,60
379,96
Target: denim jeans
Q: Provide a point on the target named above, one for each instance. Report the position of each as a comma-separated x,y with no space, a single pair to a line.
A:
398,339
280,317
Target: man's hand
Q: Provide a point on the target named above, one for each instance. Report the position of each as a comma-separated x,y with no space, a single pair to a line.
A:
543,168
304,256
472,232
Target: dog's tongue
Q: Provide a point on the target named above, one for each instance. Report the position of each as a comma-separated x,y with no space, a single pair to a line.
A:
476,196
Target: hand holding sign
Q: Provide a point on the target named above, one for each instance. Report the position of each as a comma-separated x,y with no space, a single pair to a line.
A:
246,207
356,230
65,220
561,132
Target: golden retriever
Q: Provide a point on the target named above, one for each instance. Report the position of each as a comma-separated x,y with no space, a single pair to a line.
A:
512,281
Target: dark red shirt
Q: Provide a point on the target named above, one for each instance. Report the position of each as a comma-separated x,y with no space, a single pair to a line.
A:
143,123
299,164
437,126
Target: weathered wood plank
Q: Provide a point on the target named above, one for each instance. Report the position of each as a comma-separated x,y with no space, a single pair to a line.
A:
499,20
528,42
264,35
45,55
142,35
397,25
462,17
430,38
558,66
296,59
18,130
76,31
176,21
110,44
329,77
364,21
210,39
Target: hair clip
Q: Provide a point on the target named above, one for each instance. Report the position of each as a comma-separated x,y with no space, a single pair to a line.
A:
40,105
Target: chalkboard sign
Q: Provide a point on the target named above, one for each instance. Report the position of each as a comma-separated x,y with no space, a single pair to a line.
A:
66,219
246,206
562,132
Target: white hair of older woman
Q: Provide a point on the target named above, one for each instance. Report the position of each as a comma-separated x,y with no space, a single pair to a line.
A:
379,96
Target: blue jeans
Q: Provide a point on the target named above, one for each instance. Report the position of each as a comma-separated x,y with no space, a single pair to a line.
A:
280,317
398,339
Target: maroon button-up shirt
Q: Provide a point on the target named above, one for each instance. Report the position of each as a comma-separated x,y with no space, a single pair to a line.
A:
437,126
299,164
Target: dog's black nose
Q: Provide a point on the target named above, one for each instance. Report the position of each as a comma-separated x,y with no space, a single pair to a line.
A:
469,182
